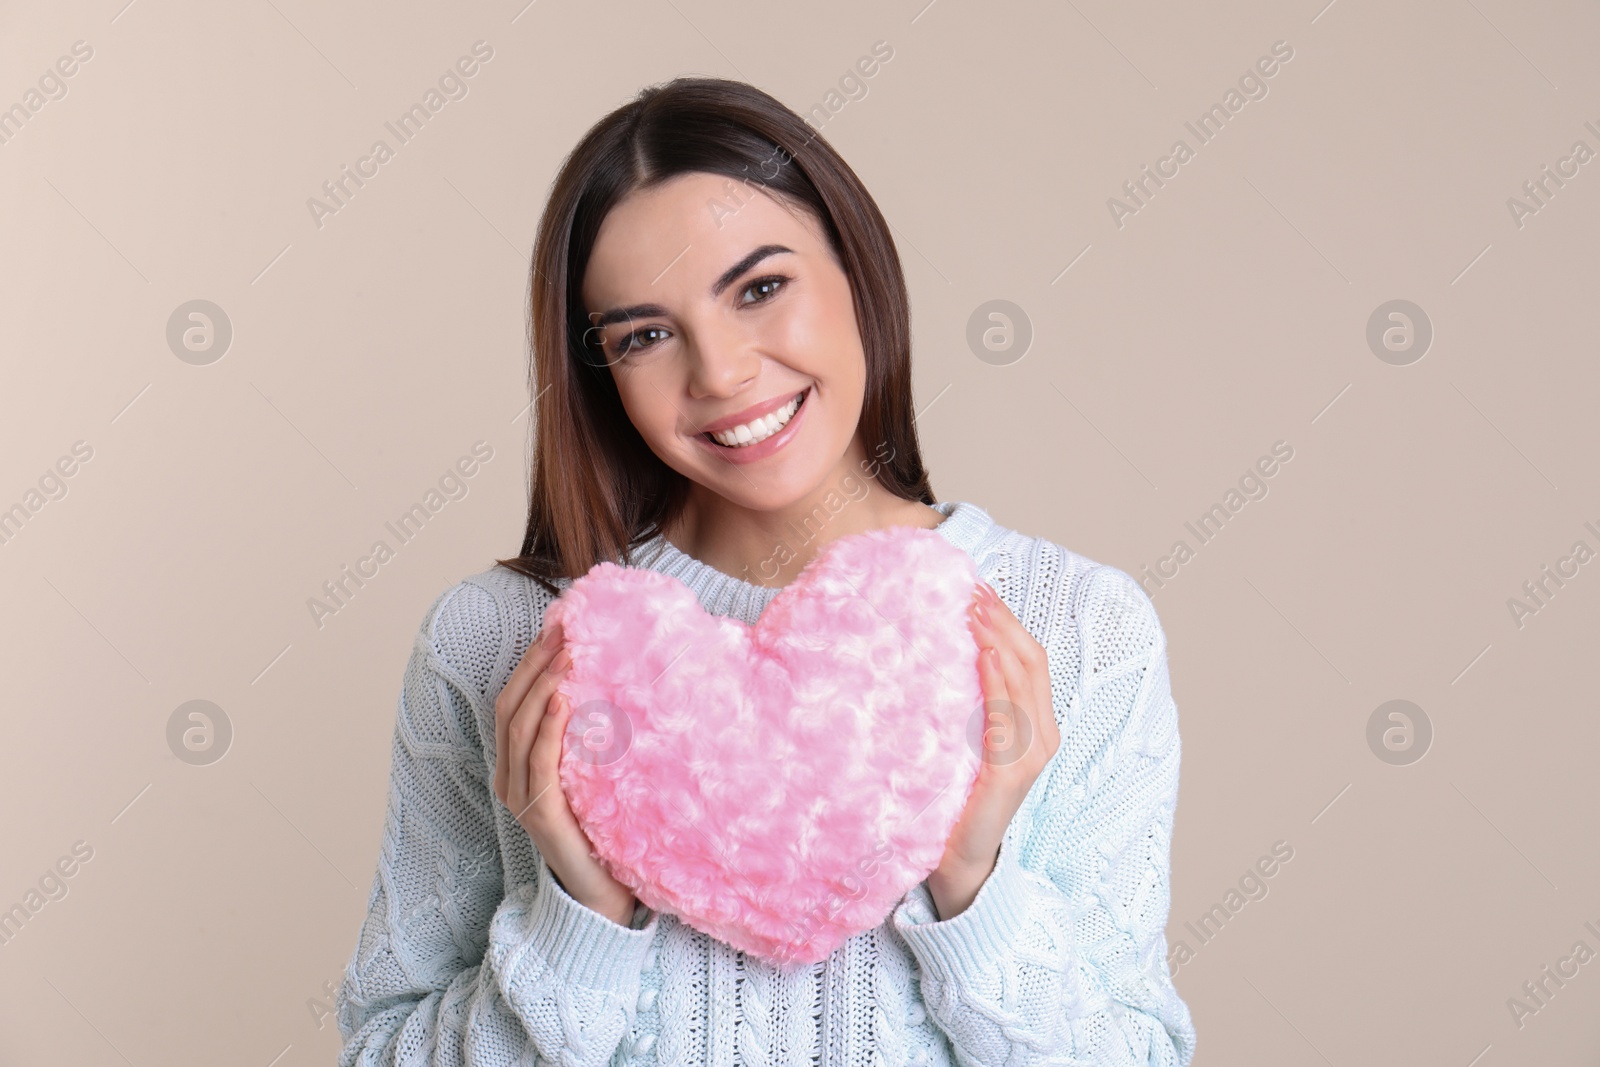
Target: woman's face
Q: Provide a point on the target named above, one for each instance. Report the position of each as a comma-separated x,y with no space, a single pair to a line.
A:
713,315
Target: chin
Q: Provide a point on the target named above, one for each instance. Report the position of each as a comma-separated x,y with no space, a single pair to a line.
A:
764,500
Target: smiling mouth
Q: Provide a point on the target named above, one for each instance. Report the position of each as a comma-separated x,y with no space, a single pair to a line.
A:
758,430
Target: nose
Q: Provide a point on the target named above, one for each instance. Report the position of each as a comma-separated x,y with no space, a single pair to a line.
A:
722,360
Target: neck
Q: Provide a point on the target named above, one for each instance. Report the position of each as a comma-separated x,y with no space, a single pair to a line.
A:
769,547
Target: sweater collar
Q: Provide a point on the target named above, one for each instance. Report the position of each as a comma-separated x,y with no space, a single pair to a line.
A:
964,525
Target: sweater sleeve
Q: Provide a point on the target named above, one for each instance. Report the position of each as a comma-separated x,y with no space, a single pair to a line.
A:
1061,956
449,968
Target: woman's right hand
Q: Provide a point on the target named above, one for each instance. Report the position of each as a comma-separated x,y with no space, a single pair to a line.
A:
530,720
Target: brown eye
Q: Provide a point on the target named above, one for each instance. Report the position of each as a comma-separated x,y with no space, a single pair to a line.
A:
628,343
771,283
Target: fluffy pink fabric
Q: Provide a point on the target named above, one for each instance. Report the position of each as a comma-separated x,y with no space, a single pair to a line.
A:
779,787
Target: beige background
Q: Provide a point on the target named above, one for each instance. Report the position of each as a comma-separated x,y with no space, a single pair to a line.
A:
1229,313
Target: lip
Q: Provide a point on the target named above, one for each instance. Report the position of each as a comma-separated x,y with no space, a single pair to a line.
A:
762,449
739,418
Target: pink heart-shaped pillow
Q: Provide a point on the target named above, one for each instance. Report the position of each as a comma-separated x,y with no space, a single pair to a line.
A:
779,787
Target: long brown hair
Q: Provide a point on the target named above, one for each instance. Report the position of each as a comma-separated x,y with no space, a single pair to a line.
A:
597,489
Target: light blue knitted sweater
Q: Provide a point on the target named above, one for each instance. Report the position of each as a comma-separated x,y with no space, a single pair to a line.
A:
471,953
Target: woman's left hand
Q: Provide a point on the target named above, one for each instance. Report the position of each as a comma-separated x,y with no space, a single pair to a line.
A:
1020,735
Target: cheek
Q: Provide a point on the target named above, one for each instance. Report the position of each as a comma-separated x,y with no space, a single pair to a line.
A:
804,332
642,399
822,337
840,315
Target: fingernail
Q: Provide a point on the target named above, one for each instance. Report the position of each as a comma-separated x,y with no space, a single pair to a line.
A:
982,612
562,659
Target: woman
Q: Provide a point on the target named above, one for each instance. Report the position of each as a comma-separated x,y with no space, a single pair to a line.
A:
721,343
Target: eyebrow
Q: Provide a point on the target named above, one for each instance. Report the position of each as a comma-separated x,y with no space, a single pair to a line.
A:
725,279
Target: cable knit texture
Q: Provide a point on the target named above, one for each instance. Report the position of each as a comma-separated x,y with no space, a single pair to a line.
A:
472,954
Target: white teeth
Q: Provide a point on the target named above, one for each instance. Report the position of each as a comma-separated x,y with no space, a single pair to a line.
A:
758,429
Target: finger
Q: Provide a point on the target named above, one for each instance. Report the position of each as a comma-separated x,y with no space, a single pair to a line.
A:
997,733
990,636
545,759
538,655
1025,706
1001,617
1014,638
510,701
979,617
525,725
544,772
979,601
532,666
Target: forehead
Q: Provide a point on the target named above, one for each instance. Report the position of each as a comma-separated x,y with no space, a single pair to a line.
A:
671,240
